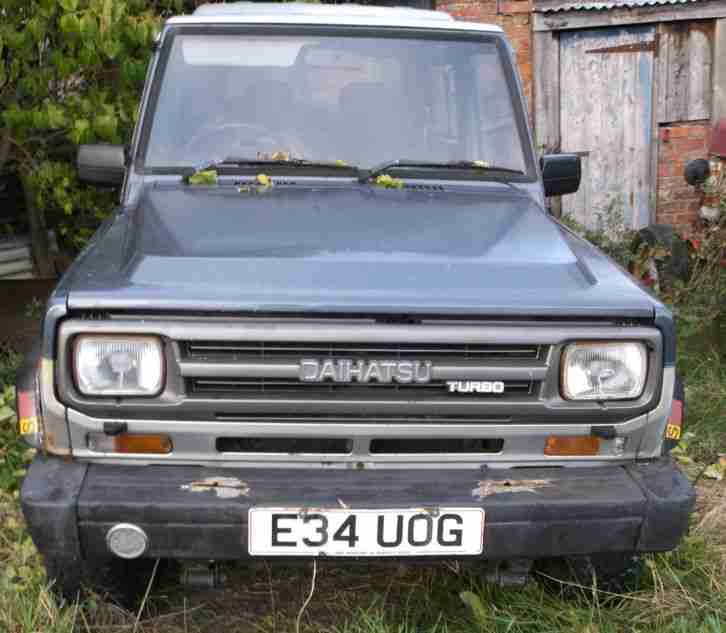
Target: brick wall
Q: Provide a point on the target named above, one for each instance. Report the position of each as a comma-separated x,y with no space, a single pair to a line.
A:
513,16
678,202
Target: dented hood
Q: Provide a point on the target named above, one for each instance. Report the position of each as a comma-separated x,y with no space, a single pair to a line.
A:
350,249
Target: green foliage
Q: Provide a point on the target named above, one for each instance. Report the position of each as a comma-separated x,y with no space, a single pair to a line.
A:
609,234
71,72
701,303
14,454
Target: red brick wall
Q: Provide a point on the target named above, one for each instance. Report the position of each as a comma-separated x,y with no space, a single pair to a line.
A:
678,202
513,17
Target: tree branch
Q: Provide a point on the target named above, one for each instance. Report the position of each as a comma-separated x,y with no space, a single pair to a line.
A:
4,147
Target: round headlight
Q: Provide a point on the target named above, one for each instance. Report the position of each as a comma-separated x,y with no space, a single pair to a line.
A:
604,371
108,365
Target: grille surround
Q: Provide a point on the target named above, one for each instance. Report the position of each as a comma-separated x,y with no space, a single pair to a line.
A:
380,406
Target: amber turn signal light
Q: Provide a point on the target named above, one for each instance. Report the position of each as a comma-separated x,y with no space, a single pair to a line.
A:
157,444
128,443
572,446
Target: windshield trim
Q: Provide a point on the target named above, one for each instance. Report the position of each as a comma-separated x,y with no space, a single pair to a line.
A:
148,110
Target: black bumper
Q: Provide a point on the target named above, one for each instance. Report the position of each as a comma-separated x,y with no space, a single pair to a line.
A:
530,513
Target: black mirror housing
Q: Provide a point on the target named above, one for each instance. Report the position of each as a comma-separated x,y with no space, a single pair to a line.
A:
561,174
101,164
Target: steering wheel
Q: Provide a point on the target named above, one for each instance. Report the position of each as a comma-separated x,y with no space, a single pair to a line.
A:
226,139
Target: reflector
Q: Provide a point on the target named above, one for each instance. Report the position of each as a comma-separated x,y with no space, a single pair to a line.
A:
156,444
572,446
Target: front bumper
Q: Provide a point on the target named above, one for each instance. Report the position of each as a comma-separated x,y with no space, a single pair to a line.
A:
530,512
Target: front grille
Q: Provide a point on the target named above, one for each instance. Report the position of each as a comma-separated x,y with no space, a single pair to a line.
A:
291,387
257,387
263,350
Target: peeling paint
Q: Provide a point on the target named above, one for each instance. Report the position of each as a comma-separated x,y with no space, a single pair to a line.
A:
506,486
223,487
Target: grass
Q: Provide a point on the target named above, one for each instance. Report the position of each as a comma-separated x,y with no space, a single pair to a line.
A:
683,591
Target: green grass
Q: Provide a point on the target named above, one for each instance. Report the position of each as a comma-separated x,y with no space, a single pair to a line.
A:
682,592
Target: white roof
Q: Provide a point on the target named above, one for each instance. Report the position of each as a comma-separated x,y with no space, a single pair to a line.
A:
326,14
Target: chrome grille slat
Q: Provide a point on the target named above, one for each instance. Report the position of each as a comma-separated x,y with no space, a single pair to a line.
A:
273,350
259,387
290,369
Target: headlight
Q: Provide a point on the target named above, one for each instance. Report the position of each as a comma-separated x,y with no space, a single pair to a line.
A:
119,365
604,371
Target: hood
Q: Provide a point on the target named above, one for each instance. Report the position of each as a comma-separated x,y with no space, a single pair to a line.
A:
487,251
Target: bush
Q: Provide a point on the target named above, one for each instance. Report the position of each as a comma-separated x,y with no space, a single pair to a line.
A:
71,72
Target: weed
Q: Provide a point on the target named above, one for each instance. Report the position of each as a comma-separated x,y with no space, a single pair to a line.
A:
609,233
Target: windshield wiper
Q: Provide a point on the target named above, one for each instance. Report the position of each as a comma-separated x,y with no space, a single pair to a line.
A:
239,161
364,175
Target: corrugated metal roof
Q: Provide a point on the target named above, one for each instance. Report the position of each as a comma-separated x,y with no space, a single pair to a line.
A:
553,6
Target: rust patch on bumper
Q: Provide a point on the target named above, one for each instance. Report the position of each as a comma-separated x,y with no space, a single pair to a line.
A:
507,486
223,487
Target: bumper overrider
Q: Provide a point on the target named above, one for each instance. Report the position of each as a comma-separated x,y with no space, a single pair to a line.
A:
190,512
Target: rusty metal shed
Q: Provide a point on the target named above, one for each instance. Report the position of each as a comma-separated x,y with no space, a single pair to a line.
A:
609,74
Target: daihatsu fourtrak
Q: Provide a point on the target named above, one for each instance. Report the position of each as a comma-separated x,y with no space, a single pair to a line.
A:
332,316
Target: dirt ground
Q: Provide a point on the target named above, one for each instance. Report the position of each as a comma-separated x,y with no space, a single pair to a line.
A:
268,597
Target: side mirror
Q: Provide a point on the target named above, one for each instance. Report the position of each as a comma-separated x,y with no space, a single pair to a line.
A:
102,164
560,173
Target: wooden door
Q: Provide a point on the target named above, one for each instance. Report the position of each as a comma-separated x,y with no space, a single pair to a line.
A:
606,97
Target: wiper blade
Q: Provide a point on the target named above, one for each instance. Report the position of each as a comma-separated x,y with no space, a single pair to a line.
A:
240,161
364,175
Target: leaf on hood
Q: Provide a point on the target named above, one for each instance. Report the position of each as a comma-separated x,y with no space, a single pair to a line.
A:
389,182
208,177
264,180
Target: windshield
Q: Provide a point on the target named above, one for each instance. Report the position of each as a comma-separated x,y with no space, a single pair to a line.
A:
360,100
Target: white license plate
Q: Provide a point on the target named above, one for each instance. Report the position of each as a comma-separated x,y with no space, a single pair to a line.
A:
344,532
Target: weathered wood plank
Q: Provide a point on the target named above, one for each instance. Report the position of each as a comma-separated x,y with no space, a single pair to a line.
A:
547,91
567,20
546,51
657,94
15,241
701,68
684,71
718,108
13,254
12,268
606,114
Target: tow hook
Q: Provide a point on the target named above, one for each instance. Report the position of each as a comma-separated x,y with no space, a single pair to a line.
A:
208,576
510,573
